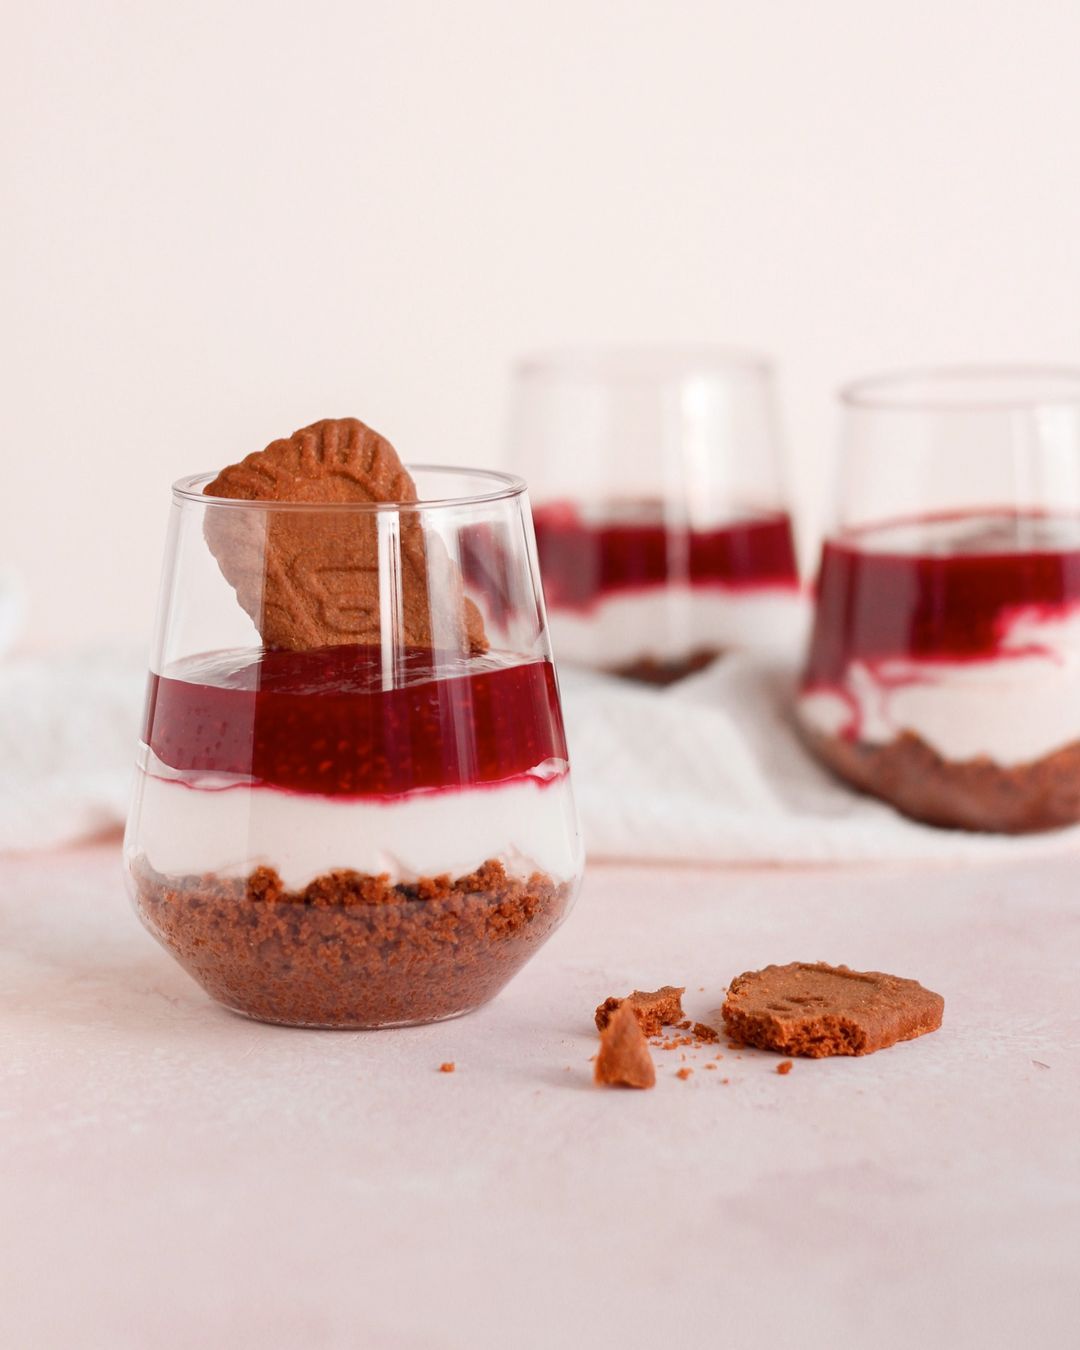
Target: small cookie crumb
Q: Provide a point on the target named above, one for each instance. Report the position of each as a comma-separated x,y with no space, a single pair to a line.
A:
704,1033
785,1066
448,1066
623,1059
684,1074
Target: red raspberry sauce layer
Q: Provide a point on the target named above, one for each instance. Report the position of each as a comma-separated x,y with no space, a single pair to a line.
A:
875,603
320,722
631,548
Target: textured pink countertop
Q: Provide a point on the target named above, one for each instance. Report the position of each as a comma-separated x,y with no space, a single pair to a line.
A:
174,1176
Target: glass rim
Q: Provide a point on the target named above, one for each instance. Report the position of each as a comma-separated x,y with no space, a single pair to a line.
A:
649,362
945,389
505,486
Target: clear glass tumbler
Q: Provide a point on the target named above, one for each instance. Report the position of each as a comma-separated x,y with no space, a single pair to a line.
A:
372,832
661,518
943,672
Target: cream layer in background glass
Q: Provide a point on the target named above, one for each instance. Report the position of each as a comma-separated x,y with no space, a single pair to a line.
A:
674,621
1014,708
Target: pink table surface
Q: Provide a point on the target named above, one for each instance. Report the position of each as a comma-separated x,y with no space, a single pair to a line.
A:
176,1176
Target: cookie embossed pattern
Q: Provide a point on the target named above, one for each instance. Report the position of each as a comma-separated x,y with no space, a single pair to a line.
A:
353,804
312,579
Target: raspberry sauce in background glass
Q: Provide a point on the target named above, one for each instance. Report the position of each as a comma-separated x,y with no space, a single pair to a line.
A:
366,832
943,668
661,517
587,555
954,587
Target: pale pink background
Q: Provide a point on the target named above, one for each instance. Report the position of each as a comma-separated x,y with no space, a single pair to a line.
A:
224,220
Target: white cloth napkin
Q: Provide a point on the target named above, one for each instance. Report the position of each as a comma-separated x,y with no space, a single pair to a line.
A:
68,730
707,771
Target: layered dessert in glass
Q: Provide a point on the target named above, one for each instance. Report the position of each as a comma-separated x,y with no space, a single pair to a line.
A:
663,533
943,672
361,815
632,594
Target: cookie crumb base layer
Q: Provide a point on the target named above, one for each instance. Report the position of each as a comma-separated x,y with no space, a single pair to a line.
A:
654,670
351,951
974,794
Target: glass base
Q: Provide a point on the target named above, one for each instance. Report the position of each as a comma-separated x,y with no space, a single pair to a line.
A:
352,1026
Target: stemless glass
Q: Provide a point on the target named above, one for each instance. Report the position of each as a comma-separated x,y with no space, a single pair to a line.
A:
943,672
661,518
357,833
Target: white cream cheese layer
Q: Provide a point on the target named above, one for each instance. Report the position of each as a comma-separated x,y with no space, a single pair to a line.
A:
669,623
528,824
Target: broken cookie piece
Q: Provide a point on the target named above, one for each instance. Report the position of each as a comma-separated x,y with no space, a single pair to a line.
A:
624,1059
654,1011
816,1010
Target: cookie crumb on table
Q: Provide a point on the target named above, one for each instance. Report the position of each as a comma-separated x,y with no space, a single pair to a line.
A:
624,1059
785,1066
447,1067
654,1010
683,1073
